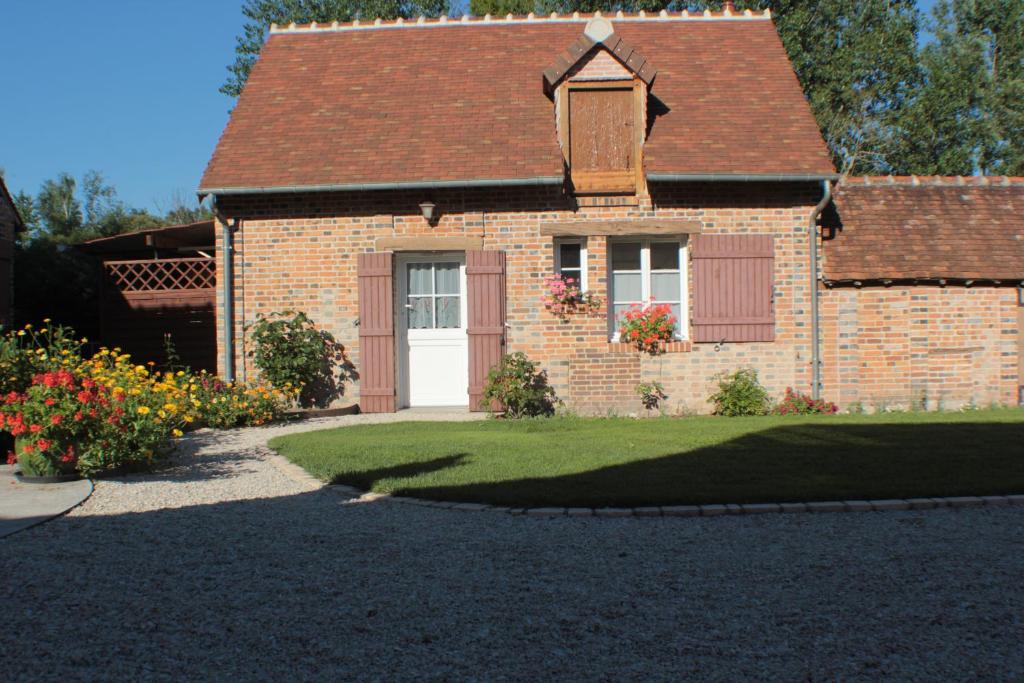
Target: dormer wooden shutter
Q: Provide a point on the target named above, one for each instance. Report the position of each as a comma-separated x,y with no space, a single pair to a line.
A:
602,138
733,288
376,333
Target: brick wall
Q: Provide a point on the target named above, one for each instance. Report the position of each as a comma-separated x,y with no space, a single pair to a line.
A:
298,252
922,346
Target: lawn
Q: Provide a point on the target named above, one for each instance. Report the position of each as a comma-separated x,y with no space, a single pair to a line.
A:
624,462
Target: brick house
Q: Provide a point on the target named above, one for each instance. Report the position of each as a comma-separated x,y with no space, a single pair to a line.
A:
411,184
10,225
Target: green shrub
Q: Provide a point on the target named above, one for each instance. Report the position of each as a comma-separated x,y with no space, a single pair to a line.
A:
651,394
292,354
520,387
740,393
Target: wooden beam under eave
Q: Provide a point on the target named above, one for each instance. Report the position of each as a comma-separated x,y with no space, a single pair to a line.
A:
651,226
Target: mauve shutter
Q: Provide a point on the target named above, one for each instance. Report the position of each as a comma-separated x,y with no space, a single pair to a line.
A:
485,282
733,288
376,333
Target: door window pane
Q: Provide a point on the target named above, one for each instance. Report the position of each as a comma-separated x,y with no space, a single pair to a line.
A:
419,278
421,312
627,286
447,312
446,278
665,286
626,256
664,256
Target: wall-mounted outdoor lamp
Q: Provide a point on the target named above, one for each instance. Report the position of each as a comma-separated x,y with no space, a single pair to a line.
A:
428,208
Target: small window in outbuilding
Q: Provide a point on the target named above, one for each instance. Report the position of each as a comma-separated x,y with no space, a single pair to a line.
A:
571,260
602,138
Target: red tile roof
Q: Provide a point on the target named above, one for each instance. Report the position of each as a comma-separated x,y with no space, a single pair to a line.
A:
928,229
458,101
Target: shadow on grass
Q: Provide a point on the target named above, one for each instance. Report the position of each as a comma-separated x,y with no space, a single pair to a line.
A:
803,462
366,480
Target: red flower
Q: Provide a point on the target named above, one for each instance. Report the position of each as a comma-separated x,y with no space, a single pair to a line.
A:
56,419
50,401
28,448
11,458
43,444
35,429
79,416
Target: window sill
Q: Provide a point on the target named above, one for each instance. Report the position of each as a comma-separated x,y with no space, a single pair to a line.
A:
678,346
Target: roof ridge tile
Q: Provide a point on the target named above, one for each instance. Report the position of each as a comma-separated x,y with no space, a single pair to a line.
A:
423,21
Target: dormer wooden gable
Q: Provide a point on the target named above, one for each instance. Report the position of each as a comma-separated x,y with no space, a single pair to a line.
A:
599,86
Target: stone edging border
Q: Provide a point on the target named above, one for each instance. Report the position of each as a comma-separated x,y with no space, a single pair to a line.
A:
300,476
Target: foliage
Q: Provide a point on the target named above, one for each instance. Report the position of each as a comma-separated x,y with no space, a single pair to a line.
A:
647,327
291,353
520,387
740,393
563,297
651,394
260,14
796,403
72,413
967,115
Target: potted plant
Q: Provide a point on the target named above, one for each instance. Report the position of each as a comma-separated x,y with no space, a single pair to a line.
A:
647,327
563,297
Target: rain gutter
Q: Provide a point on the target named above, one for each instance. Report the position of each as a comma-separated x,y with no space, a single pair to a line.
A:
739,177
812,237
367,187
228,283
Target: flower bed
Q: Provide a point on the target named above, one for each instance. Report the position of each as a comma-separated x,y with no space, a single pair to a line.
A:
72,414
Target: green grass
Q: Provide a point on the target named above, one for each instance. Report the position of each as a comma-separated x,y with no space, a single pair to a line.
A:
626,462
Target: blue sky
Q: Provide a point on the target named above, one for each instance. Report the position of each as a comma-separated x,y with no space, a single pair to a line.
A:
126,87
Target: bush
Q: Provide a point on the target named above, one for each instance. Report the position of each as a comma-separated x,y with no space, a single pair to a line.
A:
291,353
518,385
796,403
740,393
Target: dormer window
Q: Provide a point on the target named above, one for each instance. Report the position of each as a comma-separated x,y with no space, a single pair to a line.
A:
599,87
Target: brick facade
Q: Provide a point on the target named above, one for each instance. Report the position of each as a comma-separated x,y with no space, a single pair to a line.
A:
922,346
298,252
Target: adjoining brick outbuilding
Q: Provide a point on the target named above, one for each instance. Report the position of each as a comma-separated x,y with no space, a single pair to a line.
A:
923,306
410,186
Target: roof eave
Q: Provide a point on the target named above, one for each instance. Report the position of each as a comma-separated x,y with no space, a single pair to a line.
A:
739,177
369,187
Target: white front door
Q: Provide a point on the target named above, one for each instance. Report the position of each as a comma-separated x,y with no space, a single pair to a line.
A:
433,348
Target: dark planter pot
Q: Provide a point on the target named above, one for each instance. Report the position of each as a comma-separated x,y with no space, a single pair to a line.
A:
48,479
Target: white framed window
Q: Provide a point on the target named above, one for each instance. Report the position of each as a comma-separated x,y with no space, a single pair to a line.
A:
647,271
571,260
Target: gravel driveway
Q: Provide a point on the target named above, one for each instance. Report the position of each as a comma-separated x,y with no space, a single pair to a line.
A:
222,568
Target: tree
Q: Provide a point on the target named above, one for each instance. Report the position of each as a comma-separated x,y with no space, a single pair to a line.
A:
26,206
60,211
967,116
262,13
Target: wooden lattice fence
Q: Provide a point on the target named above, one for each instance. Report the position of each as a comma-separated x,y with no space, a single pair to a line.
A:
145,300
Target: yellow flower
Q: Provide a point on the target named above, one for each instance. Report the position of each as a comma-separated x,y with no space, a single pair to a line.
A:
134,391
118,390
161,413
170,407
177,433
188,418
143,410
21,333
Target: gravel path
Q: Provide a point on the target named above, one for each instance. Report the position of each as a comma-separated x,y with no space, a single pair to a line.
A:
222,568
